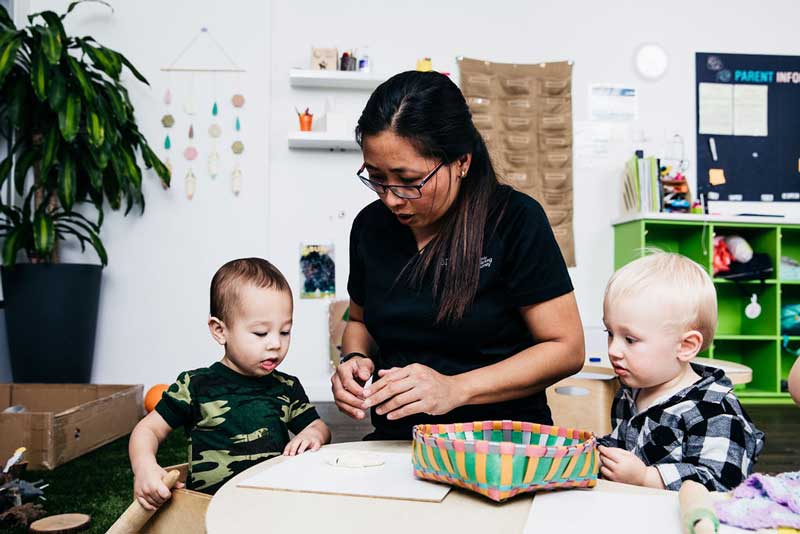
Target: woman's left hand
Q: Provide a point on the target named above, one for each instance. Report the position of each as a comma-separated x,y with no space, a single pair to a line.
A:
415,388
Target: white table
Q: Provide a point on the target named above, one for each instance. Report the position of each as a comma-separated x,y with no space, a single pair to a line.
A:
247,510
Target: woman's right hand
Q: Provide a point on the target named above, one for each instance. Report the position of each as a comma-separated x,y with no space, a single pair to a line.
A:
348,385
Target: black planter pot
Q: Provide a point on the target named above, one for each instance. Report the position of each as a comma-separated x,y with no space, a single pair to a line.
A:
51,319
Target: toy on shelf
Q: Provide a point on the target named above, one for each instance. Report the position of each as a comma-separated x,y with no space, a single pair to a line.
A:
735,260
722,256
790,269
675,195
740,249
790,320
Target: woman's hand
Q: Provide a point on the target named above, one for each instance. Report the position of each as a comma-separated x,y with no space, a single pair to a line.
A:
415,388
348,385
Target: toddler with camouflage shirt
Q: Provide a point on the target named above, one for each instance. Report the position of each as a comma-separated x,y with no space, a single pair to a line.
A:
238,411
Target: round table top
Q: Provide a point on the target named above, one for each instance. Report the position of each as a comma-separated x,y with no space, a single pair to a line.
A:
738,373
236,510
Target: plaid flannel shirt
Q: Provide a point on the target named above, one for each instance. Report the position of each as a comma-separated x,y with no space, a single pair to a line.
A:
700,433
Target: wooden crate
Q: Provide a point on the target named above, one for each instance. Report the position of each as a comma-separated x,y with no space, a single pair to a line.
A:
64,421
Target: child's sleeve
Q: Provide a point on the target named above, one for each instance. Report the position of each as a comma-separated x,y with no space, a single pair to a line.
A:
175,405
301,412
717,452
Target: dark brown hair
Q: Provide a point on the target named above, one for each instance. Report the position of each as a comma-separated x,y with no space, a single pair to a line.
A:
231,276
429,110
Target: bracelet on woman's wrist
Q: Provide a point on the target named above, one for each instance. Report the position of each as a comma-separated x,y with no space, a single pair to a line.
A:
350,355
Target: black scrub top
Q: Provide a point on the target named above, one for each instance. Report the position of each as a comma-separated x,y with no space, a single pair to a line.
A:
521,265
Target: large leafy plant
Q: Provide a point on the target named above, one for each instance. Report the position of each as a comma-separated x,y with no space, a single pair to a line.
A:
72,123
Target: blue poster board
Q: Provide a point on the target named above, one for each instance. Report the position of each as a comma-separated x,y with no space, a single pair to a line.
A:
757,142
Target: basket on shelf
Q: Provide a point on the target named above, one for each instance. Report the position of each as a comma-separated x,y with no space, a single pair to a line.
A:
500,459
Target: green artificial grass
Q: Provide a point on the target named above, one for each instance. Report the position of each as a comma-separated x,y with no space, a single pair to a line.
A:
100,483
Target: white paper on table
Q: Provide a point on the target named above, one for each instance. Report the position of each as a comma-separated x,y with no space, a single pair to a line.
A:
716,108
311,473
580,511
750,110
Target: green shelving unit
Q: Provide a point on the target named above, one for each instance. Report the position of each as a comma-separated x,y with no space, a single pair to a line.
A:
757,343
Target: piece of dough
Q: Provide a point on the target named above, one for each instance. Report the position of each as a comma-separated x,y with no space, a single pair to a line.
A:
356,460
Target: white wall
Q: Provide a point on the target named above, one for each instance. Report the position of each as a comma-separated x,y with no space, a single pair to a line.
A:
154,299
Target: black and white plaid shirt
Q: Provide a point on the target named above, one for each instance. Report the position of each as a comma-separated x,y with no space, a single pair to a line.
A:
700,433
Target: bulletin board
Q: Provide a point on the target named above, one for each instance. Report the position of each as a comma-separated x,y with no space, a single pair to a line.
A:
748,127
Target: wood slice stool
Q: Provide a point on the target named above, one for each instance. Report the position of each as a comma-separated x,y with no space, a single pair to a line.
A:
61,524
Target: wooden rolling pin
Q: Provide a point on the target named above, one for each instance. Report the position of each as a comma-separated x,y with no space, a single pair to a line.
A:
697,510
135,517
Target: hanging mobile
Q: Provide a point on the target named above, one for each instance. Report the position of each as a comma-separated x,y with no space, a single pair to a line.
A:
214,131
167,121
753,310
237,147
188,104
190,154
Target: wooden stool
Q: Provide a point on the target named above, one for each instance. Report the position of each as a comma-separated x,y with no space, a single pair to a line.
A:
61,524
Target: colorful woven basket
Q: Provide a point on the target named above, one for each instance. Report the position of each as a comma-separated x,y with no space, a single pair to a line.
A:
500,459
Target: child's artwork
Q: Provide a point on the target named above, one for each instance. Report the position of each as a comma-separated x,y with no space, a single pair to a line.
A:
317,272
386,475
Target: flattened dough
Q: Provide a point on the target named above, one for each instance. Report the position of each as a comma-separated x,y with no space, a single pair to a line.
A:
356,460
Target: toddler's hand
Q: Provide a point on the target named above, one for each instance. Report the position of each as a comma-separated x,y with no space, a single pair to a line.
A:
310,439
149,489
619,465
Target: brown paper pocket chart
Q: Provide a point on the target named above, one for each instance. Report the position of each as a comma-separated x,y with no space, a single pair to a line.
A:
524,112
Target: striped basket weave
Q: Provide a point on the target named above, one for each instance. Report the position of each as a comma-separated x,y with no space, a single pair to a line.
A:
500,459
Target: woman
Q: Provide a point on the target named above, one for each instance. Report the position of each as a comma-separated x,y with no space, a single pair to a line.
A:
461,306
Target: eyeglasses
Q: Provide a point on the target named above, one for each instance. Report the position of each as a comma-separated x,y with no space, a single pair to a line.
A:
400,191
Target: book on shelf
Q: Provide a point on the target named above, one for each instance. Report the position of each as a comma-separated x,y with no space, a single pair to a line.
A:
650,188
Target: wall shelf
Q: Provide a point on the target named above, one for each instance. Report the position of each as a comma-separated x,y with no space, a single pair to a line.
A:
322,141
334,79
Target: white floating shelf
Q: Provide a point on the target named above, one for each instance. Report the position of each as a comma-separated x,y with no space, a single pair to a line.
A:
321,141
334,79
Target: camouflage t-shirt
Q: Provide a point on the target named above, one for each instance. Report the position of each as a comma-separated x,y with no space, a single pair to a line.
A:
233,421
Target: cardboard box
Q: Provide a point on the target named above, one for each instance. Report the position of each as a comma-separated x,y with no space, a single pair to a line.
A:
64,421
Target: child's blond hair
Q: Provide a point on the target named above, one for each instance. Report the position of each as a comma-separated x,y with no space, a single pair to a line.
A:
681,285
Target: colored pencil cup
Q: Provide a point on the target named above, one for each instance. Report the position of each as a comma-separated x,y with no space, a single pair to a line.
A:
305,122
500,459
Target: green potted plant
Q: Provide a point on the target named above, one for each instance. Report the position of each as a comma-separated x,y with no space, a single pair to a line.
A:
73,145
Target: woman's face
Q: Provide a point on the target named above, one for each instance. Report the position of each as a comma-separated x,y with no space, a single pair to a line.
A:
393,160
